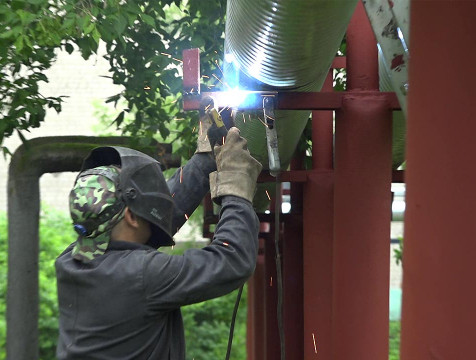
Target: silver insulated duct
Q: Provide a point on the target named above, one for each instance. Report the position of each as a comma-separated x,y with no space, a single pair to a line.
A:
285,45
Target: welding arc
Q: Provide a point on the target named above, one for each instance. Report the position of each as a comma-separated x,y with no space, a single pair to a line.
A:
232,325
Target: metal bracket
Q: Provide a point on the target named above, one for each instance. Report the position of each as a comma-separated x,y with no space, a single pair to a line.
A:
271,135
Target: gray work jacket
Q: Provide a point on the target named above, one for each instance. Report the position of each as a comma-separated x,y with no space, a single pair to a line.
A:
126,303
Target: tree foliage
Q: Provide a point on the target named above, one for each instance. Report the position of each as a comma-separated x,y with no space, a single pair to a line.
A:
144,42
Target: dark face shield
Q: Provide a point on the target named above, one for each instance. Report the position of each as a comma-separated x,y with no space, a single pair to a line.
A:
142,187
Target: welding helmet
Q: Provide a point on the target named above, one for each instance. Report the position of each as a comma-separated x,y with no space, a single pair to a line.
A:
141,187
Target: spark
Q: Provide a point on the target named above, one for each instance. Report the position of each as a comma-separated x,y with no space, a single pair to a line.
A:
244,120
223,140
173,194
221,110
181,174
147,87
177,60
165,54
211,85
205,76
271,281
179,119
249,117
270,117
225,243
215,52
314,340
216,77
186,216
173,102
201,129
216,62
262,122
192,90
206,137
267,194
206,108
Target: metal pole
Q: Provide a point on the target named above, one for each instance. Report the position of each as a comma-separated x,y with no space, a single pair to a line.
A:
292,270
363,165
362,203
439,292
318,235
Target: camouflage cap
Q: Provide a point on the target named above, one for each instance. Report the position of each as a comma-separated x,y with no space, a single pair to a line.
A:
95,209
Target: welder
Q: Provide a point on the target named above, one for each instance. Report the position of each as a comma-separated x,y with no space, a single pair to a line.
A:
120,298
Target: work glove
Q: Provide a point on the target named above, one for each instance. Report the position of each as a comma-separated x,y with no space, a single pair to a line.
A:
237,171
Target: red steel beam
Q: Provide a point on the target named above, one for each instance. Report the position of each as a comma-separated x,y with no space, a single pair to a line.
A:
318,236
439,293
302,100
255,334
292,254
362,203
191,71
362,230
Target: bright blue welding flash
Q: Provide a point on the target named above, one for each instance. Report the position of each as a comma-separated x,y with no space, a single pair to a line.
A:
233,98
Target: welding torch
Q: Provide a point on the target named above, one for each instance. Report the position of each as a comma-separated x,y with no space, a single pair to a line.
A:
217,131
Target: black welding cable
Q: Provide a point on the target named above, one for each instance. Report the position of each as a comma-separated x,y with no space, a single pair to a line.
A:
232,325
279,275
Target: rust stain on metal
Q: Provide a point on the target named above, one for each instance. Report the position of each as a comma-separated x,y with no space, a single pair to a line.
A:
390,30
397,62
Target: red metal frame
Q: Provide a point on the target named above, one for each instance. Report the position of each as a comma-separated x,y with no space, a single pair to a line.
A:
339,234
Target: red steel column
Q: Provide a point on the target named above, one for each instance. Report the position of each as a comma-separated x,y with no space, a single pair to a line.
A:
272,349
255,335
362,212
292,271
317,240
362,207
439,292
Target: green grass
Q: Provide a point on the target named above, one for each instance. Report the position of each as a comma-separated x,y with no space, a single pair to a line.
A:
394,341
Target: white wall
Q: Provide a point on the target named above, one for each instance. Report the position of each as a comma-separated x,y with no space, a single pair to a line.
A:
81,80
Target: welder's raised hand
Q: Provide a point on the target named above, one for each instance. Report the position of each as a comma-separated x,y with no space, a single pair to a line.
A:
237,171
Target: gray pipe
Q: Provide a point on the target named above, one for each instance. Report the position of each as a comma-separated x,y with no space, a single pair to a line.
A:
29,162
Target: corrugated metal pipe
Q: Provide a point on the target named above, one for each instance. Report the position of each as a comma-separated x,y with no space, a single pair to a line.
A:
282,45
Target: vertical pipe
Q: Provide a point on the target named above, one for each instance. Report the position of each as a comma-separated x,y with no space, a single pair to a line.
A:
322,130
317,240
23,247
271,302
255,334
317,265
292,271
363,165
362,60
439,294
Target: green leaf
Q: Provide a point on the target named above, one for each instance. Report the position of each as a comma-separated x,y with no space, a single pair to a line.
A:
120,24
149,20
69,48
89,28
19,44
119,119
20,135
